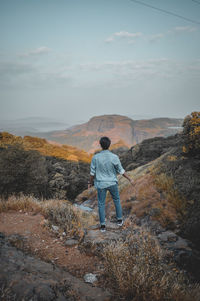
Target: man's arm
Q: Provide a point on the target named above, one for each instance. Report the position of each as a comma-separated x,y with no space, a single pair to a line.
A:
125,175
121,171
92,172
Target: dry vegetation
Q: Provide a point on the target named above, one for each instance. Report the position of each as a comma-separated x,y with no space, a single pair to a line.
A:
191,133
60,213
34,143
137,270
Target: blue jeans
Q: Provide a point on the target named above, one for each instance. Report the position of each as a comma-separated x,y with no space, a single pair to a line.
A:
101,202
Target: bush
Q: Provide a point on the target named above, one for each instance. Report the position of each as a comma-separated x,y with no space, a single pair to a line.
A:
136,269
22,171
191,133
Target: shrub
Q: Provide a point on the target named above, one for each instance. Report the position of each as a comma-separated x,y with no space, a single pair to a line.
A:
67,217
191,133
22,171
166,185
136,269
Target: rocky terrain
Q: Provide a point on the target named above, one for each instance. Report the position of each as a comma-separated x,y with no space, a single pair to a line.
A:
29,172
154,256
117,127
25,277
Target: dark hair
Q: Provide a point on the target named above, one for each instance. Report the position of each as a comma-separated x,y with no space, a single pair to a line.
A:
105,142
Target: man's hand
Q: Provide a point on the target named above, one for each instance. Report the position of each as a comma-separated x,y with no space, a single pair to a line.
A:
91,182
89,185
125,175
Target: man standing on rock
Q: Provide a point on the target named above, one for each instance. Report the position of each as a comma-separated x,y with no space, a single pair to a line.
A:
103,174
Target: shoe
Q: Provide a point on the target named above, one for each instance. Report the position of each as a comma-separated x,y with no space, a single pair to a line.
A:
103,228
120,222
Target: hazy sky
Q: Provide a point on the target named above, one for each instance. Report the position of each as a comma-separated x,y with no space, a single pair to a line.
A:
73,59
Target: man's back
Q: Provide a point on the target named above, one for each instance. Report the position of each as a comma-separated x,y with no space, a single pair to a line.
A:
105,166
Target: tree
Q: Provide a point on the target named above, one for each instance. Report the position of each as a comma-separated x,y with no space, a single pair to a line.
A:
191,133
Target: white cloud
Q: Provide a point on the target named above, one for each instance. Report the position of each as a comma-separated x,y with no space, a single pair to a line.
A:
182,29
36,52
126,34
123,34
109,40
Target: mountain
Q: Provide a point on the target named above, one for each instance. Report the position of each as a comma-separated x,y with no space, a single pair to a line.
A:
118,128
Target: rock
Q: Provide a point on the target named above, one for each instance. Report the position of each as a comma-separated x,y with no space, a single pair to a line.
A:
94,227
155,212
55,228
90,278
167,236
181,244
94,241
71,242
28,278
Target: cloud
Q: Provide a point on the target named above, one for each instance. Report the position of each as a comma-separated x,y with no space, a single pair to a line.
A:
183,29
156,37
128,72
12,69
109,40
36,52
175,30
21,74
126,34
123,34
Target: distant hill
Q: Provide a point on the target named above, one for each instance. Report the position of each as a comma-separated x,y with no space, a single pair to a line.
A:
44,147
118,128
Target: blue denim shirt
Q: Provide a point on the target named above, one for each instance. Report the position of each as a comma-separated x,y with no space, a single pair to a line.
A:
104,167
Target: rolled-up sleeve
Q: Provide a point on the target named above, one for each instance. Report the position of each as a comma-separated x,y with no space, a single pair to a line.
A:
93,167
118,167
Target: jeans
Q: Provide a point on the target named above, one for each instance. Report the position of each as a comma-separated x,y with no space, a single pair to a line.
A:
101,202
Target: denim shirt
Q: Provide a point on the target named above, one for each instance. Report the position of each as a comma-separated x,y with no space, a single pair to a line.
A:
104,167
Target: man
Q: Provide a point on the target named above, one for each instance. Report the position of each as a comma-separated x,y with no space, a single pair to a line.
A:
103,174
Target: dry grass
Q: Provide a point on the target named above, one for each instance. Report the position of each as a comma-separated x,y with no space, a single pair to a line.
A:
6,293
166,184
67,217
145,199
137,271
60,213
22,202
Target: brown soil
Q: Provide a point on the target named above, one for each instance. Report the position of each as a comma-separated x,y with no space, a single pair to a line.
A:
43,243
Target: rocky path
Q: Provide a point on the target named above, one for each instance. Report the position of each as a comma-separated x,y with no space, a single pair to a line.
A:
53,271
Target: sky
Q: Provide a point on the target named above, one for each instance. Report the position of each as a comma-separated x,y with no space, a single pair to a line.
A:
71,60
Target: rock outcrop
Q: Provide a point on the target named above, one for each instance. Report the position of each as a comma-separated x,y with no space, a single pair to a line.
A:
24,277
86,136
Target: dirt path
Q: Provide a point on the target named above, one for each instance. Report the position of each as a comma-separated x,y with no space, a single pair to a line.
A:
44,244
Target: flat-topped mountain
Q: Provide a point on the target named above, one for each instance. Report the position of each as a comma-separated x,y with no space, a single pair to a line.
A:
118,128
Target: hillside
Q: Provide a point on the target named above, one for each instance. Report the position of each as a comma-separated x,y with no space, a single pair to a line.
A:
165,197
47,148
118,128
33,166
